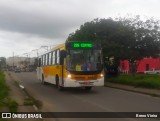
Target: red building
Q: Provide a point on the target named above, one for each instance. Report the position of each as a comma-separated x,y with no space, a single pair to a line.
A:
143,65
124,66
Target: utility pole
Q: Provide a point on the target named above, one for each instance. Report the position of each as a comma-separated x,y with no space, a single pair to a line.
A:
46,47
26,59
0,64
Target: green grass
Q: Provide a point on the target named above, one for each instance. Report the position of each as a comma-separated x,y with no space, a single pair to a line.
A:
138,80
28,101
4,90
4,95
31,100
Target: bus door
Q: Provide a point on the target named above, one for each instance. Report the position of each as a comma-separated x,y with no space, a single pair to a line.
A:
39,68
60,55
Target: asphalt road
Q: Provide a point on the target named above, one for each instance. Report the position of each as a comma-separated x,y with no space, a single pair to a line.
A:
100,99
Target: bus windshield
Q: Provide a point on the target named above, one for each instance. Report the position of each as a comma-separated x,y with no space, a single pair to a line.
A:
84,60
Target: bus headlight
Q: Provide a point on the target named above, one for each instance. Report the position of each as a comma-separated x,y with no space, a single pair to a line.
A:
101,75
69,75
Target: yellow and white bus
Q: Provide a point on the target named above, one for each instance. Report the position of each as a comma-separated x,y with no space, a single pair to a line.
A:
72,64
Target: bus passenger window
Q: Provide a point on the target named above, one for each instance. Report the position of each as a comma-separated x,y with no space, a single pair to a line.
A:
53,58
46,59
78,67
39,62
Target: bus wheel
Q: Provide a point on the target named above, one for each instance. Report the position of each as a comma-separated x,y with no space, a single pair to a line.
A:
88,88
60,88
43,82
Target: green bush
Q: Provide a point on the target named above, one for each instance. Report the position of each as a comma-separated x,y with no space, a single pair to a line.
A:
3,120
28,101
148,81
4,92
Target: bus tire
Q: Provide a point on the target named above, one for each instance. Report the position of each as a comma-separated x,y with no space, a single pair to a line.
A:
42,81
60,88
88,88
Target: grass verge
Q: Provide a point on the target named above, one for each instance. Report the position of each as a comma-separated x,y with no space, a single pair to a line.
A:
4,90
139,80
4,93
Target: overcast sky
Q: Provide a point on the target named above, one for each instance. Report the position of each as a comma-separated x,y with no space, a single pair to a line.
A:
26,25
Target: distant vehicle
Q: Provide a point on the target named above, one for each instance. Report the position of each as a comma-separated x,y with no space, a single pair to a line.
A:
153,71
11,69
29,69
17,70
23,69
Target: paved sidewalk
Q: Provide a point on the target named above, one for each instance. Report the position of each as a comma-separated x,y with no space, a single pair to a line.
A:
17,94
152,92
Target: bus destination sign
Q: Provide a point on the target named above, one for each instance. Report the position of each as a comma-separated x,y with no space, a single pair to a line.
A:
82,45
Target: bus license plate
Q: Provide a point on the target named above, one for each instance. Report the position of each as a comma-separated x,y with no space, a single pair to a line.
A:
86,83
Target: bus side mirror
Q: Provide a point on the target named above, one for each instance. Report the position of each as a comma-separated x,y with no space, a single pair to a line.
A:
63,53
62,56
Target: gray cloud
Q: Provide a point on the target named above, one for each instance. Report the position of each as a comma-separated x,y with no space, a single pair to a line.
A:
53,20
28,24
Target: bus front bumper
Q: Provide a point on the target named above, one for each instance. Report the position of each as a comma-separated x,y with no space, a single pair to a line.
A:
68,82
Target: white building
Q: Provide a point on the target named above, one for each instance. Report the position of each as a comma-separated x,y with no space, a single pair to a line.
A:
20,61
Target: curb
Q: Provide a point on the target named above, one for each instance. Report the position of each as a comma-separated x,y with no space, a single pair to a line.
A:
25,92
131,89
23,88
27,95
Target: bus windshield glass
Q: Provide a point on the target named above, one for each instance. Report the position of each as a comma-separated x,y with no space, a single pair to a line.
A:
84,60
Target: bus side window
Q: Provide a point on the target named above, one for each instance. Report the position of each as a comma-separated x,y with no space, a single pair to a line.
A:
43,60
39,62
58,56
46,59
53,57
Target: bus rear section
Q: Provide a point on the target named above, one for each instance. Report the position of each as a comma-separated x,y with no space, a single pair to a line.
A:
74,80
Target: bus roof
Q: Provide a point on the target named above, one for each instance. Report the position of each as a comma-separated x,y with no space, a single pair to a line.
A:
60,46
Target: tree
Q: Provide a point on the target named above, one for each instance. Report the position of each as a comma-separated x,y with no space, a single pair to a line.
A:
145,39
122,38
